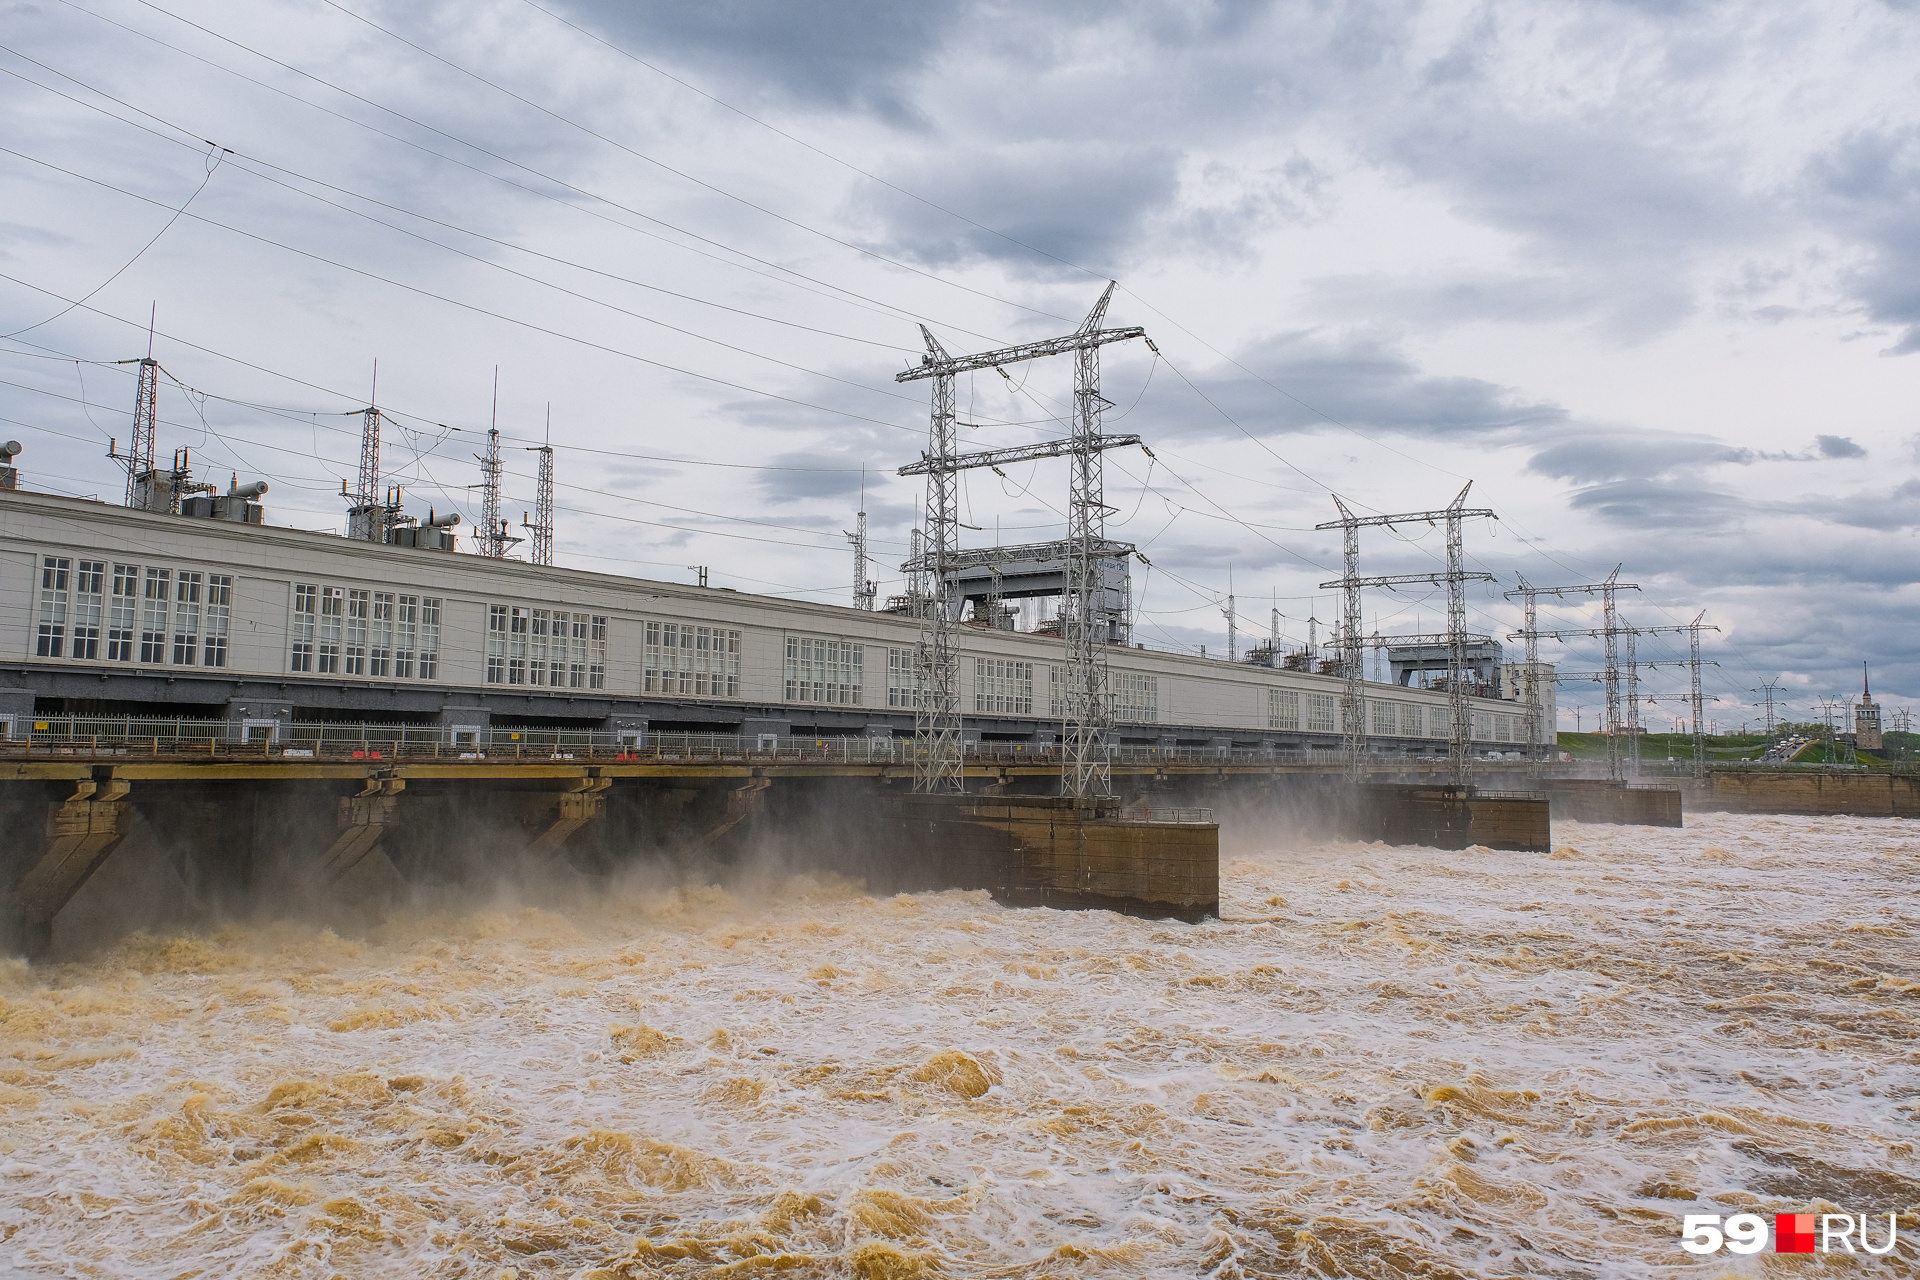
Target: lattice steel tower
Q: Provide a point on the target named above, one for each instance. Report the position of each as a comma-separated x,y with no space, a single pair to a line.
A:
541,528
1455,579
1087,618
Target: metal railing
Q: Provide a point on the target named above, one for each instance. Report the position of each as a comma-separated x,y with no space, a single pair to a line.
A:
1162,814
123,736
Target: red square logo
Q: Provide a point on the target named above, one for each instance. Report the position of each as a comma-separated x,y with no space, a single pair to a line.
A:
1793,1232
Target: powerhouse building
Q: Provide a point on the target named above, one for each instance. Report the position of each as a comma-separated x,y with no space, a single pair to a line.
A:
110,610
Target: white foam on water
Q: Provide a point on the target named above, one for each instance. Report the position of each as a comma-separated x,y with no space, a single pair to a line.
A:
1384,1062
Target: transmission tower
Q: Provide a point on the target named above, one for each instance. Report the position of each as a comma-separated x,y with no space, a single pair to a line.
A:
863,586
1085,621
1455,579
1766,689
1609,632
1232,615
541,527
1699,706
366,517
1531,682
146,405
1633,704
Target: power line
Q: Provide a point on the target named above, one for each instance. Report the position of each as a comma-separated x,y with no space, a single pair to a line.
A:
679,173
419,124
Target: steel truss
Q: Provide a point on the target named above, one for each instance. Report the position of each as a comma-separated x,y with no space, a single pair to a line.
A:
1083,623
1455,579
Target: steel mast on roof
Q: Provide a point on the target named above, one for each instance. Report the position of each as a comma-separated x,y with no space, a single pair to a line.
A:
541,551
1084,769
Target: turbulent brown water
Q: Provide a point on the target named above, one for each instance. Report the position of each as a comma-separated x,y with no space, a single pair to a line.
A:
1386,1062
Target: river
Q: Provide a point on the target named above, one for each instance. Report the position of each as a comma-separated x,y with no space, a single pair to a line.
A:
1382,1062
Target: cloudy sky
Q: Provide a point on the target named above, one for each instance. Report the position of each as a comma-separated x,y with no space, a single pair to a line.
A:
1647,272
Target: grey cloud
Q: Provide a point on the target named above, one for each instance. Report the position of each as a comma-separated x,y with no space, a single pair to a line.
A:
814,476
1083,202
1839,447
1652,504
1438,301
837,53
1361,382
1867,187
1593,456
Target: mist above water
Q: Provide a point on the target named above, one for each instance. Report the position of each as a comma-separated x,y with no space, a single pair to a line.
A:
1386,1061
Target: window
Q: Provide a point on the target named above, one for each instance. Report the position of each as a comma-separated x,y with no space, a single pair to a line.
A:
557,649
124,609
186,618
903,679
380,648
597,658
824,671
54,574
1323,713
1136,697
1002,686
496,644
540,632
1283,709
89,581
685,657
517,623
153,615
332,606
1411,714
406,635
306,601
1385,719
430,638
577,653
356,633
218,619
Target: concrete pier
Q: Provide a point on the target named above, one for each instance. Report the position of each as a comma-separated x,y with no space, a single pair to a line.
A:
1446,816
1052,851
1598,800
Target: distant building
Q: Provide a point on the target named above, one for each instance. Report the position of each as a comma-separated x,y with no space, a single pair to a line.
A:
1866,718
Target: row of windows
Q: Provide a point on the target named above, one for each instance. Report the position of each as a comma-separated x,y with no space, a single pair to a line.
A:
183,617
552,648
1002,687
354,632
1283,711
826,671
154,616
1136,696
904,685
685,657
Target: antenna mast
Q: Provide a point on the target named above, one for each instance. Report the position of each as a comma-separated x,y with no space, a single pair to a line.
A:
542,526
863,587
493,536
366,519
146,404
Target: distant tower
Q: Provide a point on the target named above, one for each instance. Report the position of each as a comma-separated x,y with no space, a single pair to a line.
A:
863,586
142,490
491,537
1866,718
1232,614
541,526
367,517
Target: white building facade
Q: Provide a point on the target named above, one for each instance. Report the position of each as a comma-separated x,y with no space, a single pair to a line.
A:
108,610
